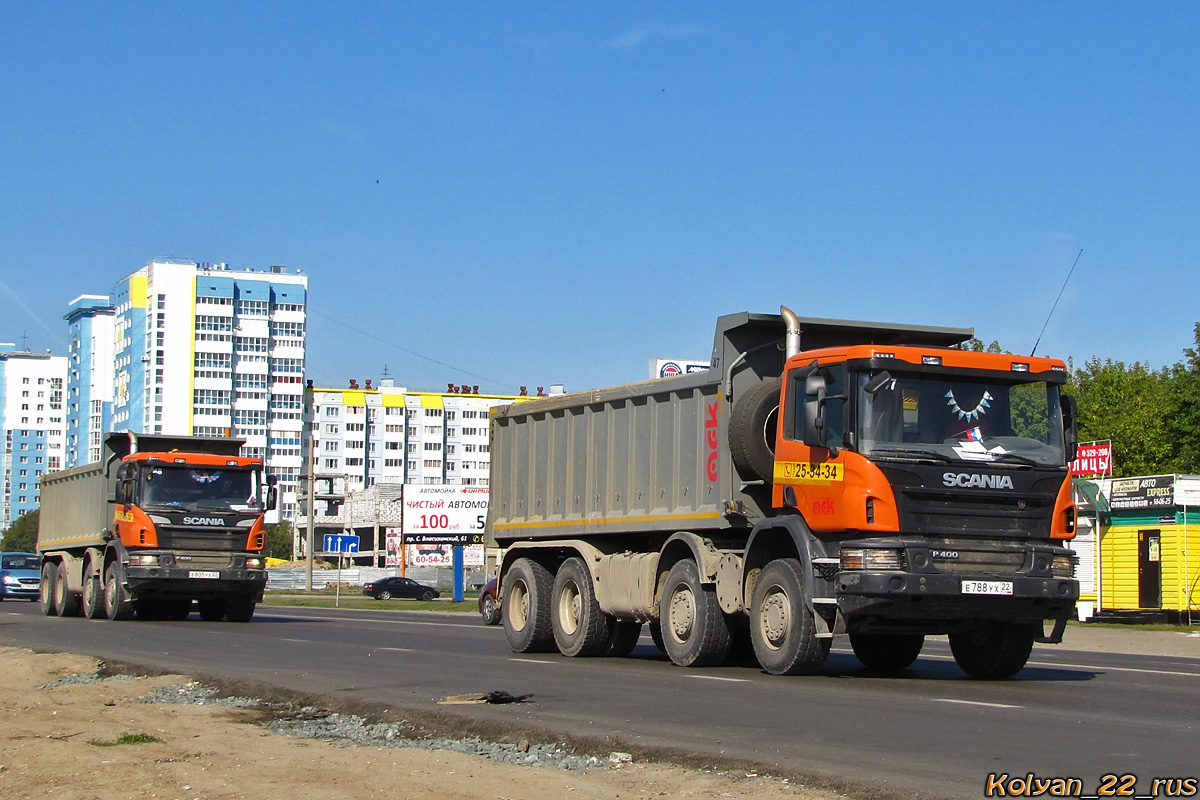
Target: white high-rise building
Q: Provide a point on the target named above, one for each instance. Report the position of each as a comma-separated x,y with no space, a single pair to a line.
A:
32,422
201,349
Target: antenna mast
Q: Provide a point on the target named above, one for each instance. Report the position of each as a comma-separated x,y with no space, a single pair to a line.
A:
1060,292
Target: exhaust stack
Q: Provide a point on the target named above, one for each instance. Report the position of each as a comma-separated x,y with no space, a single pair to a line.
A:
791,341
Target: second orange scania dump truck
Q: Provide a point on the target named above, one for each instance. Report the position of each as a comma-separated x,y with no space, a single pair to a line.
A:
824,477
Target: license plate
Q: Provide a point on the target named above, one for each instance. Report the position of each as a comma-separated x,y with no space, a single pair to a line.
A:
216,575
987,587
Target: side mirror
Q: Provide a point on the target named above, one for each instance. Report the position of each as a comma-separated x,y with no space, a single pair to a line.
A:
814,410
878,382
272,492
1070,415
119,492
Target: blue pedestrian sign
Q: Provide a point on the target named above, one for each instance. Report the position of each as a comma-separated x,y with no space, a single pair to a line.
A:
341,543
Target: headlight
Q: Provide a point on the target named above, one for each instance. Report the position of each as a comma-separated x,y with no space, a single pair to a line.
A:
1063,566
143,561
9,580
253,563
873,558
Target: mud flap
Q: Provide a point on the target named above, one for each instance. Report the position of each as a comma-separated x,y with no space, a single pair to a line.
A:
826,617
1056,633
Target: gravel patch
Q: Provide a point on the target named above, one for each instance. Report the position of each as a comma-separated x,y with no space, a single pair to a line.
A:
311,722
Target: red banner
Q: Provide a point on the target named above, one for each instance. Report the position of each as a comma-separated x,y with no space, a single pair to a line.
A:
1093,458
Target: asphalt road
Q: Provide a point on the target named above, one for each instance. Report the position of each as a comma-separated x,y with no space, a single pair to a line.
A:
1069,714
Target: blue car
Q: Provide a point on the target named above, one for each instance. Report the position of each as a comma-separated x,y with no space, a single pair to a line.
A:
20,575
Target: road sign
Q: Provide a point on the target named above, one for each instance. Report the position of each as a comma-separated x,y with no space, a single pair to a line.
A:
341,543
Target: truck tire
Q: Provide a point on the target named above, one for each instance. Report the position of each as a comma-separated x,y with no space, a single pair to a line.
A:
887,652
93,592
623,638
239,609
580,627
117,602
177,609
46,590
526,607
993,649
66,602
211,610
752,427
694,630
782,627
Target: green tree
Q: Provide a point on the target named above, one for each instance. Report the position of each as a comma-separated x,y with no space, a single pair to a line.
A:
1183,416
279,541
21,536
1129,405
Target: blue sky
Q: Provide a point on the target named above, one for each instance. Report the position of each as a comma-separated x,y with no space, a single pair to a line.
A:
511,194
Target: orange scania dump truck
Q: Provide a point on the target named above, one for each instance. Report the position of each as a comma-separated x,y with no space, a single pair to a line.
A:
824,477
161,523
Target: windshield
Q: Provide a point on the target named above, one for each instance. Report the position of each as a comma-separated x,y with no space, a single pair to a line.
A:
199,488
925,416
20,561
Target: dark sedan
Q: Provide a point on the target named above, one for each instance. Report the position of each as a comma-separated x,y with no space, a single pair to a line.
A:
387,588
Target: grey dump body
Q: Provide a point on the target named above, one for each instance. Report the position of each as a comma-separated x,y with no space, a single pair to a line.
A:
652,457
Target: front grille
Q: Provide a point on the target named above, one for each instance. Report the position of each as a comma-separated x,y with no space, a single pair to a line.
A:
192,539
986,562
939,513
33,583
202,560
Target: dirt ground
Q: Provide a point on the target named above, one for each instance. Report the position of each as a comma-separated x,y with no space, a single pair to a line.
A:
60,743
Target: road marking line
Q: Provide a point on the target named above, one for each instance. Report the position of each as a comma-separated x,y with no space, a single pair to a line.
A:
973,703
302,641
1114,669
534,661
396,649
719,678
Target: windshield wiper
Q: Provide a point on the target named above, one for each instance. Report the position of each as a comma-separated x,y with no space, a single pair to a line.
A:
1017,458
912,455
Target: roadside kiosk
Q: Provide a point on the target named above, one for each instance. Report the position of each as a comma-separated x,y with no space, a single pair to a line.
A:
1150,551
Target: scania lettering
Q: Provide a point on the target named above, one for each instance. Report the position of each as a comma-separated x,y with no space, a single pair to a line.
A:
824,477
137,533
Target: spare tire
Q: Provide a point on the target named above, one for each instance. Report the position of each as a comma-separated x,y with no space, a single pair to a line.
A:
752,428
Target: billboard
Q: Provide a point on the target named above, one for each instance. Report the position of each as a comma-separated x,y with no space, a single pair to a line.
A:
444,515
1153,492
442,555
670,367
1093,458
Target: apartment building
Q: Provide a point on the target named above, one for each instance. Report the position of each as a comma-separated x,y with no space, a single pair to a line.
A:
199,349
32,423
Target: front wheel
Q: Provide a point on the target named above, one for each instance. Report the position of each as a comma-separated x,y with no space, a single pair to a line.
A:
525,607
993,649
782,627
211,610
580,627
694,630
117,602
887,652
239,609
427,596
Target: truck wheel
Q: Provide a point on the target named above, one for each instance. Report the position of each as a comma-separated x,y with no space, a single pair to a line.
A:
624,637
177,609
580,627
117,603
145,608
887,652
694,631
66,602
239,609
46,589
993,649
526,607
752,427
211,610
782,627
93,592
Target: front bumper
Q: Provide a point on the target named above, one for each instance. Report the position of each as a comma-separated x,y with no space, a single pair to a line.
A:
23,591
182,583
882,597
